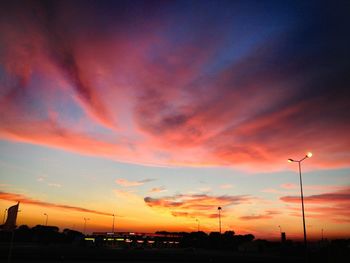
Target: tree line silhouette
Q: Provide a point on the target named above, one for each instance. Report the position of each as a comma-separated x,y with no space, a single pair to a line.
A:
72,244
42,234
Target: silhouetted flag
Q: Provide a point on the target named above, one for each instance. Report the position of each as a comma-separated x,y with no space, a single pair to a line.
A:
11,217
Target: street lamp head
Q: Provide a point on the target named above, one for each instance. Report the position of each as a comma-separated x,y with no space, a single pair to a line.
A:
309,155
219,208
290,160
45,214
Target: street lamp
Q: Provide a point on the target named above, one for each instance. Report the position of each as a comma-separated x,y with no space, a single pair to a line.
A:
85,219
280,229
197,224
308,155
219,209
322,234
47,218
113,224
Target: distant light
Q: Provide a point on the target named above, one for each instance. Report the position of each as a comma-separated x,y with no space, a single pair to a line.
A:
309,154
290,160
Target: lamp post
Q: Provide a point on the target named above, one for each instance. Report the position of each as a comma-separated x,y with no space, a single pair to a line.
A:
4,216
113,224
308,155
280,229
219,209
197,224
47,218
85,219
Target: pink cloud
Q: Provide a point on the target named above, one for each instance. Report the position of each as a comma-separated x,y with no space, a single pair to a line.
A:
159,103
127,183
158,190
335,197
334,205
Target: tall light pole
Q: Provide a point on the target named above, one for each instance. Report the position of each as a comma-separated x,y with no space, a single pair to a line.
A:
308,155
47,218
85,219
113,224
280,229
3,221
197,224
219,209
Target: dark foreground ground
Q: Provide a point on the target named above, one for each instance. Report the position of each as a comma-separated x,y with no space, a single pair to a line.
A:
61,253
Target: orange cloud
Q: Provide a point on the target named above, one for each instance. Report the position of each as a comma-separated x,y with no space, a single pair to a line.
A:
27,200
266,215
196,205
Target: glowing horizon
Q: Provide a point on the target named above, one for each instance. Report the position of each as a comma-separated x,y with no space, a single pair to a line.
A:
161,112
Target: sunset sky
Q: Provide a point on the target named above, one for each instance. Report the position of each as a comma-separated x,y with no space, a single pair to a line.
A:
161,111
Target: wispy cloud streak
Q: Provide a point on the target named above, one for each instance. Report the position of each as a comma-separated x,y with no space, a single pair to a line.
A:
264,216
128,183
329,206
27,200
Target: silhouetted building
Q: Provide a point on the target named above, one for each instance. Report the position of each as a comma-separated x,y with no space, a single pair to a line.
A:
133,239
283,237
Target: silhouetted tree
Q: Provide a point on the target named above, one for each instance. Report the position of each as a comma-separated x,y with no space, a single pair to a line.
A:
23,234
72,236
47,234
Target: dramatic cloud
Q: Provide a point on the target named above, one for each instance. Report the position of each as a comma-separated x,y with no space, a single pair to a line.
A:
127,183
334,205
197,205
227,91
27,200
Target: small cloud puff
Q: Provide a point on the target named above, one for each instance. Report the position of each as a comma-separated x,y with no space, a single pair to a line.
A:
127,183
